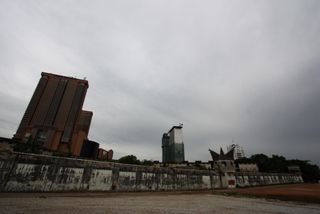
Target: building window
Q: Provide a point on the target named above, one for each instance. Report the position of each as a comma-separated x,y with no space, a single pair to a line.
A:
41,135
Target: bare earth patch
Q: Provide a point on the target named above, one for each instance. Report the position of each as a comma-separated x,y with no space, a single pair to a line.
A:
308,193
163,202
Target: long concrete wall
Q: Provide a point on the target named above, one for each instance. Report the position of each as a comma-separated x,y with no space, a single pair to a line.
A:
251,179
37,173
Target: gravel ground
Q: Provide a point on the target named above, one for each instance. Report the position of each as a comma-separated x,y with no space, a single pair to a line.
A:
145,203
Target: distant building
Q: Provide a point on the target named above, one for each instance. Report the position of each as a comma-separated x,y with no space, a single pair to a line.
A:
248,167
105,155
186,164
294,169
6,144
224,164
89,149
54,116
237,151
173,146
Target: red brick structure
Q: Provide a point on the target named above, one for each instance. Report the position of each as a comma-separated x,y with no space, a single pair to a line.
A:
105,155
54,116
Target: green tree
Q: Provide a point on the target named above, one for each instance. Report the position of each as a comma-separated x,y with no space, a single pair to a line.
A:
278,164
129,159
62,154
243,160
200,167
310,172
263,162
147,162
31,146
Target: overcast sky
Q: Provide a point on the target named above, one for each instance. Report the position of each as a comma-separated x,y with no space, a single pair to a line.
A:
242,70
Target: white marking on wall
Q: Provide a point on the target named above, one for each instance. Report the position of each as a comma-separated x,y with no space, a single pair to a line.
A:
69,178
127,180
165,182
194,182
246,180
269,180
261,179
148,181
206,183
101,179
181,181
28,177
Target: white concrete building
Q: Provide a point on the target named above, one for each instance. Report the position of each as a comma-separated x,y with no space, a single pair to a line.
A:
237,152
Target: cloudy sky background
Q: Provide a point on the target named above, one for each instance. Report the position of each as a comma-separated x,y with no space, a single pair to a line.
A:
242,70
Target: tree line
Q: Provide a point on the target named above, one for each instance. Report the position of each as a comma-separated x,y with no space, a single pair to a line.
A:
279,164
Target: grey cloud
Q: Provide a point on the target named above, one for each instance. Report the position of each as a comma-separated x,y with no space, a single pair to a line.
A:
245,70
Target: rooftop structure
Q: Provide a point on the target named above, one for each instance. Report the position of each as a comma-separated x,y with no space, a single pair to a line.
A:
237,150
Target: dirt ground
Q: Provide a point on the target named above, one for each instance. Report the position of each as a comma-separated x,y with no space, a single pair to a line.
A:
309,193
303,190
211,201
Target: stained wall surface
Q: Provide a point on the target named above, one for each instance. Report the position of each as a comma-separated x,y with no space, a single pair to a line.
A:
252,179
37,173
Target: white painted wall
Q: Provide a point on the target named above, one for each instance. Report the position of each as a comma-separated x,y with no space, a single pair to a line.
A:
69,179
101,179
206,183
25,173
147,181
127,181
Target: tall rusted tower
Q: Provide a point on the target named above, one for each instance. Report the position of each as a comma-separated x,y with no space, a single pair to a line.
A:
54,116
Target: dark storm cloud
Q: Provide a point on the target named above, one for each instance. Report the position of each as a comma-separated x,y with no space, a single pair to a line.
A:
242,70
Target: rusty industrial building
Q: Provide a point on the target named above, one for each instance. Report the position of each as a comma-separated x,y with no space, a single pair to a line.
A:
54,116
